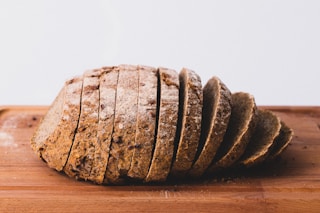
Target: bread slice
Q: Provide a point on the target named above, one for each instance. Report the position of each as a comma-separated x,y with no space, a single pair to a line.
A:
190,108
266,130
215,118
82,154
146,122
124,130
107,91
54,136
281,141
239,131
166,126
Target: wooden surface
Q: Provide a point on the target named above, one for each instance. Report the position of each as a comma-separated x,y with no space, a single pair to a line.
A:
290,184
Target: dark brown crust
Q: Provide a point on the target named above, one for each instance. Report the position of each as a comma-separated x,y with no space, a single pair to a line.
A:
81,157
54,148
215,118
267,129
239,131
123,136
281,141
166,130
146,122
190,108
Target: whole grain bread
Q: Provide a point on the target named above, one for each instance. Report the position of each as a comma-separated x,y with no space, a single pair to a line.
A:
239,131
189,122
54,136
266,130
167,125
116,124
124,129
81,158
146,122
215,118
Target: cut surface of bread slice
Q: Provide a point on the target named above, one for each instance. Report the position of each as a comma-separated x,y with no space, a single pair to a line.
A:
124,129
108,84
81,158
167,125
54,136
281,141
239,131
215,118
266,130
146,122
188,133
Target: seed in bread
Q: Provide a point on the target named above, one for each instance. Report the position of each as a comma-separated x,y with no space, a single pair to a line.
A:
215,118
189,126
54,136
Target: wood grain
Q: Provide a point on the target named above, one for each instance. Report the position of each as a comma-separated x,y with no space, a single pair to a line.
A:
290,184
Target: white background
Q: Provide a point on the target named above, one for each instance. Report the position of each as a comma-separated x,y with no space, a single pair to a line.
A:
270,49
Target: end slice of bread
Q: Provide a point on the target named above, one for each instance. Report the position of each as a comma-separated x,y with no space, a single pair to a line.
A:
54,136
281,142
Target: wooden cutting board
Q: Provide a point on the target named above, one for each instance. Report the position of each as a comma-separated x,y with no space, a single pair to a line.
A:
290,184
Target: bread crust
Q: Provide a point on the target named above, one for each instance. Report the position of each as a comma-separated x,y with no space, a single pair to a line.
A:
167,124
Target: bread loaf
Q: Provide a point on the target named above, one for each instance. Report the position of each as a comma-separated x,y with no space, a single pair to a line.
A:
126,123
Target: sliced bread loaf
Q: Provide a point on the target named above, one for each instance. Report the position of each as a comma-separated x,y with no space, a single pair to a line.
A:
266,130
54,136
239,131
189,122
81,157
167,125
146,122
215,118
124,129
